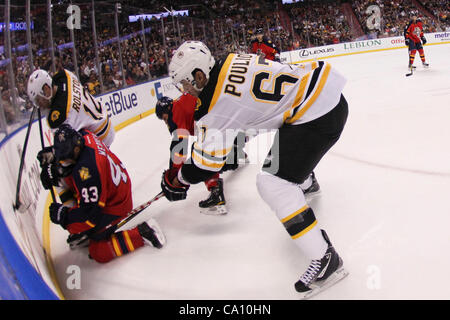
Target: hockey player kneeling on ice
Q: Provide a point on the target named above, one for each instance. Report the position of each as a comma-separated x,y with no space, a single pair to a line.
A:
179,116
304,103
102,188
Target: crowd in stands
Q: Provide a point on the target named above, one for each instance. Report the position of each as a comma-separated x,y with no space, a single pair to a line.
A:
439,9
320,23
224,25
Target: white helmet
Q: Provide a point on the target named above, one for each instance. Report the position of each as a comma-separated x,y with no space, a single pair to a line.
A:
189,56
36,83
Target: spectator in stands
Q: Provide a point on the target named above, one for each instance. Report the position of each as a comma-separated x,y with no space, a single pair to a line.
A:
118,81
10,111
93,85
109,83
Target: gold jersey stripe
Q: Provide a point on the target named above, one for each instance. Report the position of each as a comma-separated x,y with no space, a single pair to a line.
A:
116,246
69,93
206,163
90,224
102,126
105,134
313,98
128,241
220,81
299,96
215,153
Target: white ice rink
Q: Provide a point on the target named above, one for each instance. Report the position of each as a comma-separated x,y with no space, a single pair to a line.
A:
384,203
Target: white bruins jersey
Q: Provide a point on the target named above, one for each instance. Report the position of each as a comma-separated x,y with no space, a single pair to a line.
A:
74,105
248,92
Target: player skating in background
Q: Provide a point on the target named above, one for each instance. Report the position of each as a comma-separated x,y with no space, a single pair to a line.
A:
264,47
102,188
304,103
415,39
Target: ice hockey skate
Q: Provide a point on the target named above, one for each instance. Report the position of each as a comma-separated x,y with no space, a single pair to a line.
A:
321,274
152,234
215,203
425,65
313,189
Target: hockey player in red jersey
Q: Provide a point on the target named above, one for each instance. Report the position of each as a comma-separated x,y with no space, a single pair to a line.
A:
415,39
102,187
263,46
178,115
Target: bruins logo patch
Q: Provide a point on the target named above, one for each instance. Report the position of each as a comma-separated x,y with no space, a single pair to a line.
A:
54,115
84,173
198,104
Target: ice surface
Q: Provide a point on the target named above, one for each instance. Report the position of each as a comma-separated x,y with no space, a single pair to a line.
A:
384,204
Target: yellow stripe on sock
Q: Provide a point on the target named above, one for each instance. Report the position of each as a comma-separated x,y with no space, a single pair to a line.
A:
289,217
298,235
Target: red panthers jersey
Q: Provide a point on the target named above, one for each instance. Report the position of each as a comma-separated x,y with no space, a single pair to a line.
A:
415,31
183,110
101,185
265,46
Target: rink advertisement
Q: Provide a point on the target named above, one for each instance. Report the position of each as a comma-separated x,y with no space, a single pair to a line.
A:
132,103
356,47
442,36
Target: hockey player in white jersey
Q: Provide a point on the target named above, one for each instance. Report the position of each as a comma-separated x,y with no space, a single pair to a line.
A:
303,103
67,101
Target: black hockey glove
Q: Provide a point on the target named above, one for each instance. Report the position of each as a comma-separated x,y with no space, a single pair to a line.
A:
49,176
58,214
172,192
424,40
46,156
78,240
407,42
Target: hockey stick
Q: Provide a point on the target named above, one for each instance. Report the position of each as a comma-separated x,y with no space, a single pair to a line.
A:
133,213
412,67
52,192
18,205
77,240
410,73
